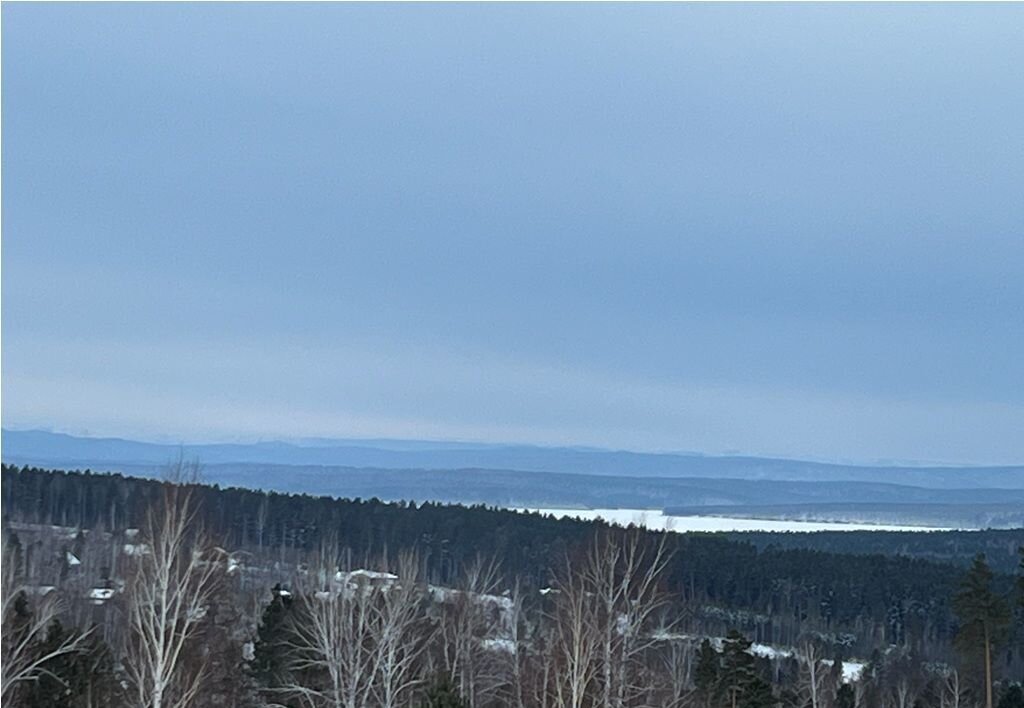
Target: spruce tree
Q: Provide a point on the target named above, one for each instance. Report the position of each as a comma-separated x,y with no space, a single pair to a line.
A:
984,617
845,696
1013,697
443,694
741,684
705,675
268,665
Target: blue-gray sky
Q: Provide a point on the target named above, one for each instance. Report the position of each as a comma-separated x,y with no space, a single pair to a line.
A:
779,229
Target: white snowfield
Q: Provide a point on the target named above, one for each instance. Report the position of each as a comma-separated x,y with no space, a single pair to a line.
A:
851,670
657,520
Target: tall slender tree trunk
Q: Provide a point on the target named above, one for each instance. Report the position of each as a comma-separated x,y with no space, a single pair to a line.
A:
988,669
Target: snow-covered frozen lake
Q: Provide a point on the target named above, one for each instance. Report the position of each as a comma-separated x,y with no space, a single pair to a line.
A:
655,519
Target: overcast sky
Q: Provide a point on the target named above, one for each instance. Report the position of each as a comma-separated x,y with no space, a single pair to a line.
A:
775,229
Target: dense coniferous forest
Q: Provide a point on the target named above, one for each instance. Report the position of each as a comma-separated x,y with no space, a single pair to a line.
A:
959,547
784,615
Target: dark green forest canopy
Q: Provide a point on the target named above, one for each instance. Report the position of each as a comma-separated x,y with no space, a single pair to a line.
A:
1000,546
909,595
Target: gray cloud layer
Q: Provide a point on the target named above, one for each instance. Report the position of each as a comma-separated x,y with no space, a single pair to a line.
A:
780,229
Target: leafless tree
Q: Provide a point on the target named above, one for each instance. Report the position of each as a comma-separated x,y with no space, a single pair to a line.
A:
677,667
332,643
575,645
902,693
604,610
623,575
357,639
173,580
261,520
521,654
860,690
539,668
470,618
813,674
952,689
401,634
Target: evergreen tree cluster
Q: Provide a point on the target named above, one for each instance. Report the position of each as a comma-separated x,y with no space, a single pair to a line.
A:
774,594
928,631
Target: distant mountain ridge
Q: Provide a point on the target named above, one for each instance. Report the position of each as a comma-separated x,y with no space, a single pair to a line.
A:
68,451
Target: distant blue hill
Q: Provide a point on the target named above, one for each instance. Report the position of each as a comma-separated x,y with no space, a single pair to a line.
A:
66,451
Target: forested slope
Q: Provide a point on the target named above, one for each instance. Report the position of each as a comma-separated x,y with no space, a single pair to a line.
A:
775,591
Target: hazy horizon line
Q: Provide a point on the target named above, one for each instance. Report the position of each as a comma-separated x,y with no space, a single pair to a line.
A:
326,441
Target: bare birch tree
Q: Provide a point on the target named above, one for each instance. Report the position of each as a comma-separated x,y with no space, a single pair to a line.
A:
575,646
332,640
467,622
623,575
904,693
400,633
813,674
604,609
521,654
172,583
952,690
677,666
357,639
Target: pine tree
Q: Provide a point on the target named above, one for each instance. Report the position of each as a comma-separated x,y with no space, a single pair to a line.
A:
269,651
984,617
21,617
443,694
706,672
845,696
741,684
1012,698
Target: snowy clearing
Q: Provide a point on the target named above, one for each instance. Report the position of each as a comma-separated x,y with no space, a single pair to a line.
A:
655,519
851,671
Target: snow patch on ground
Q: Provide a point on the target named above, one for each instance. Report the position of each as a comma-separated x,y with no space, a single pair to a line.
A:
852,670
504,645
767,651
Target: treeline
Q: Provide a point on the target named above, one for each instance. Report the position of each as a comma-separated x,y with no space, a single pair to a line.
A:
957,547
773,594
602,635
966,513
120,591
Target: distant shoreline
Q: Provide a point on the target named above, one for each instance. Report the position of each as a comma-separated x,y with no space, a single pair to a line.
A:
656,519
